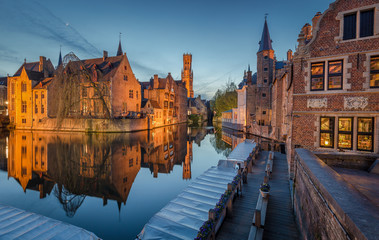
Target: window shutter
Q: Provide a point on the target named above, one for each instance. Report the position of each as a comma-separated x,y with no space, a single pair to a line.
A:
349,26
367,23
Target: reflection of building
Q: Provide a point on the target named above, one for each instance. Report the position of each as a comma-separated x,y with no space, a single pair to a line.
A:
232,138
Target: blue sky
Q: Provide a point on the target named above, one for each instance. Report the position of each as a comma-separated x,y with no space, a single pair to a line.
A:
222,35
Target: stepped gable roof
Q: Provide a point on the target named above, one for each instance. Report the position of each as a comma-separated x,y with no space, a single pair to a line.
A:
265,43
107,66
3,81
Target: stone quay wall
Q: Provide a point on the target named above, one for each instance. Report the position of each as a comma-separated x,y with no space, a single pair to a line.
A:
327,207
91,125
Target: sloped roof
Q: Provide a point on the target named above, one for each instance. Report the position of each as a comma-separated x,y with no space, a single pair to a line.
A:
280,64
107,66
265,43
31,66
44,83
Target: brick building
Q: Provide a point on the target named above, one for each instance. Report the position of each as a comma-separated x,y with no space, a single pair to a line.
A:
335,89
23,105
3,97
198,107
105,88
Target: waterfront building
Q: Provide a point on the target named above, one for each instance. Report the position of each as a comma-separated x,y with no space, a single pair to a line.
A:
3,97
106,88
197,106
335,89
166,94
24,108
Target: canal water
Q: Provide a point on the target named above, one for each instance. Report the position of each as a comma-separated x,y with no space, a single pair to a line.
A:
109,184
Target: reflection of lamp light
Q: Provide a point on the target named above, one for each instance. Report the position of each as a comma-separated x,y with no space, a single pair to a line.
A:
6,102
326,142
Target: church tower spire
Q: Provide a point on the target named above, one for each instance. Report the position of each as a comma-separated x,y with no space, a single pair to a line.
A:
119,50
60,57
265,43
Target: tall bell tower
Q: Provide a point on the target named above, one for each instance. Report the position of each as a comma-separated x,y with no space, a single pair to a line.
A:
187,74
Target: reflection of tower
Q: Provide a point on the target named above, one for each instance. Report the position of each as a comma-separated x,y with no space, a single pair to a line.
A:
187,162
187,74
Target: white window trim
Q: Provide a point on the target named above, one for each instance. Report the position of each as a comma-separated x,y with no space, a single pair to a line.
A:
366,73
345,75
341,15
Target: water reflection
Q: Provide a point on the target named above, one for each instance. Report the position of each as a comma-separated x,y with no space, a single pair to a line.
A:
72,166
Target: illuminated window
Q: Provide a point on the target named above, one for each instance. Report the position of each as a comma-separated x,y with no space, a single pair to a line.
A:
365,134
84,92
327,132
335,75
317,76
345,133
374,72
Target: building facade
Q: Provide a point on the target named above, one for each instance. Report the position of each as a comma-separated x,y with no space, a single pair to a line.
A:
23,106
336,81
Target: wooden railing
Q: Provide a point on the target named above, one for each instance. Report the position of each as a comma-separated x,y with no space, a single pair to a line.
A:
257,228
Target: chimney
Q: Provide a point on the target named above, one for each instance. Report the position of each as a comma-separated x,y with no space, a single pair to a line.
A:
307,30
156,81
105,55
315,20
42,63
289,55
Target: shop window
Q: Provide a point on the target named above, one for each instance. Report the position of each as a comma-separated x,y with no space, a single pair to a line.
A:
335,75
367,23
350,26
327,132
365,134
374,72
317,76
345,133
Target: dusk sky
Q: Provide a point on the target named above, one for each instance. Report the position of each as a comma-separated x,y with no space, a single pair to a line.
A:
222,36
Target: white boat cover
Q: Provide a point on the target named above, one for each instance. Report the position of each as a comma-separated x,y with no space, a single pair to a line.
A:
182,217
19,224
241,151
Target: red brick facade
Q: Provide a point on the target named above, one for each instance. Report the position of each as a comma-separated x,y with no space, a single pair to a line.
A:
354,99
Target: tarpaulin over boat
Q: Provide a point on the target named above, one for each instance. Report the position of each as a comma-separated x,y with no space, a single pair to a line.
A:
182,217
241,151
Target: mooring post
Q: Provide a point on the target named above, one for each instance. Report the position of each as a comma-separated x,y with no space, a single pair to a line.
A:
230,201
211,217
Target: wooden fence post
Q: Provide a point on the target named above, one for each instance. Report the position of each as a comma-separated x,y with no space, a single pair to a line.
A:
230,202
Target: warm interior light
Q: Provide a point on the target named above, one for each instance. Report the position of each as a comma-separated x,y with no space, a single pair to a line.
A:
326,142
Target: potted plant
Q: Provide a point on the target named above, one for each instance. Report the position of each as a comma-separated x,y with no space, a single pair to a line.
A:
264,189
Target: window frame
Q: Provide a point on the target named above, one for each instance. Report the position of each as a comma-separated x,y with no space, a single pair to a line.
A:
361,22
318,76
373,71
335,74
330,131
351,132
355,27
366,134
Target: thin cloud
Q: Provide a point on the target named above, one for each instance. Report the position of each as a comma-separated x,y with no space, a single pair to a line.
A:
31,18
